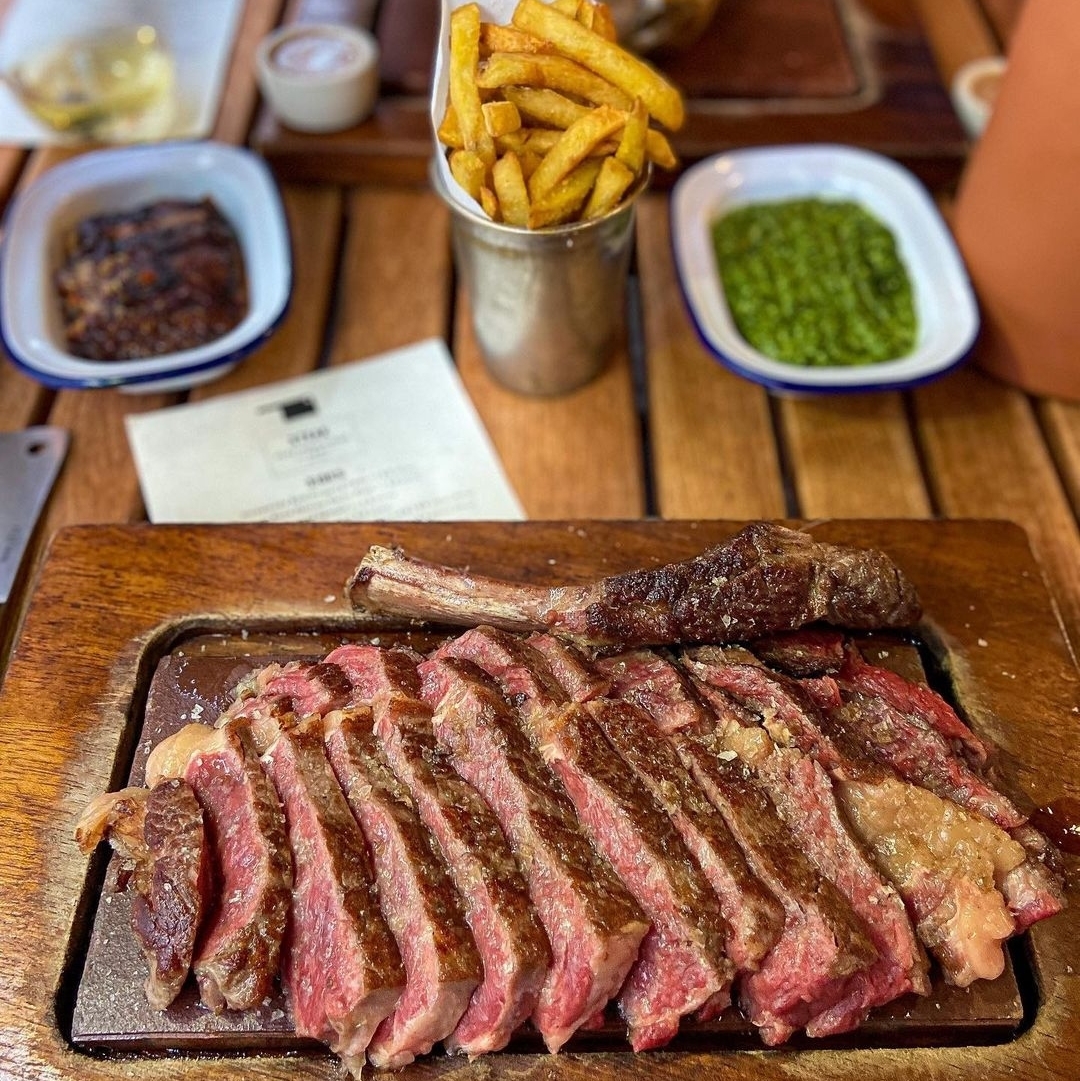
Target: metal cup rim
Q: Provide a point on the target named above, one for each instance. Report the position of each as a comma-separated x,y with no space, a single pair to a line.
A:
563,230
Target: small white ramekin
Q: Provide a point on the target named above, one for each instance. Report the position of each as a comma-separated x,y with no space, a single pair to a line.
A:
332,81
974,91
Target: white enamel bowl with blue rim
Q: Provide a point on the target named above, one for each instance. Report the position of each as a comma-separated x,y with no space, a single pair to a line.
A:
946,308
126,178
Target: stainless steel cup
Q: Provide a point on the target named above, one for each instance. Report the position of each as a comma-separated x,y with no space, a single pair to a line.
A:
548,305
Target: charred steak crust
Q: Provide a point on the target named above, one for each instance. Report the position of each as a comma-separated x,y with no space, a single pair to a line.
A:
416,895
767,578
160,278
167,918
238,956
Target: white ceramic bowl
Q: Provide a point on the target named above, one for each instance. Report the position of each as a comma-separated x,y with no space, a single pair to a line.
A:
122,179
947,312
319,77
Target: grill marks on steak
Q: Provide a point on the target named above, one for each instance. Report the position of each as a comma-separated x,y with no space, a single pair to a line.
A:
594,926
944,861
766,578
341,965
239,949
513,946
415,894
161,830
682,968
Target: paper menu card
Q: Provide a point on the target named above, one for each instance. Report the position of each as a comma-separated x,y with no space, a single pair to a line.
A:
393,438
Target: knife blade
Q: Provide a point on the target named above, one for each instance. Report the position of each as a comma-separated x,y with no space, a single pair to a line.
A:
29,462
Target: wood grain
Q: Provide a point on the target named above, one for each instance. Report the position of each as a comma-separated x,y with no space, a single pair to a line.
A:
395,278
575,455
852,456
711,441
986,455
111,599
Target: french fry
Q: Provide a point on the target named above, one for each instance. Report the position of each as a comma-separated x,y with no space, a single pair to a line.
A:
449,131
489,203
603,22
658,149
509,182
563,201
551,71
631,151
549,119
612,183
469,170
606,58
495,38
464,92
500,117
573,146
545,106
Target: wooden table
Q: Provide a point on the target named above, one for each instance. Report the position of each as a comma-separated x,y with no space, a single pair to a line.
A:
665,431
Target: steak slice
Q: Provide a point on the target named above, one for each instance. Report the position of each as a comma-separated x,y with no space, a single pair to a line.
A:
682,968
341,966
754,916
944,861
239,948
823,943
765,579
512,944
803,794
161,830
302,688
915,700
416,896
594,925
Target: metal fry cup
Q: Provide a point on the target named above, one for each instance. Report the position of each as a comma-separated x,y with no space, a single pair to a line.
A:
548,305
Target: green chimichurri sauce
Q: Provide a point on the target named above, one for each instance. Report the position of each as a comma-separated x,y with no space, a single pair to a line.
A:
815,282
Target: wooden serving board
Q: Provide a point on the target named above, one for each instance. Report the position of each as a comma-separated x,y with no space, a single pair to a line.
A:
859,72
112,601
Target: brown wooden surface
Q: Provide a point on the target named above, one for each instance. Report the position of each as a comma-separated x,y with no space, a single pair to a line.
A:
111,600
764,71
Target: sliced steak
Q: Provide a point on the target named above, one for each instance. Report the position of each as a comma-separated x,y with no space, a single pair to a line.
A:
416,895
803,794
341,965
823,943
754,916
683,968
811,651
302,688
162,830
765,579
512,944
919,754
915,700
594,925
944,861
239,949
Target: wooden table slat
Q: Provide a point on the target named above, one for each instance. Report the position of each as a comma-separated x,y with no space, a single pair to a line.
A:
852,456
986,455
712,445
576,455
